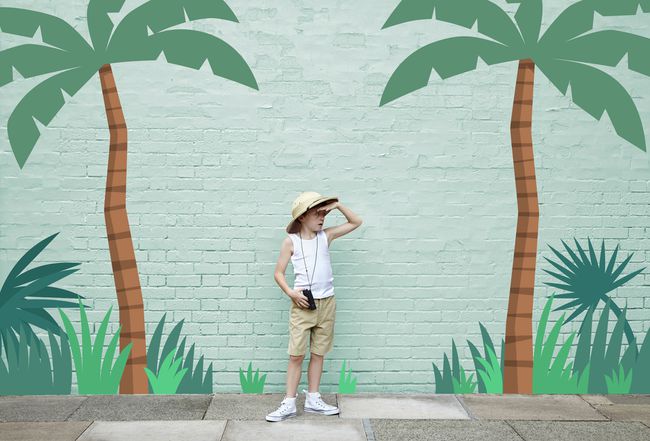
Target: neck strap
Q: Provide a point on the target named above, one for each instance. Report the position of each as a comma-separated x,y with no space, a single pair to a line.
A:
303,258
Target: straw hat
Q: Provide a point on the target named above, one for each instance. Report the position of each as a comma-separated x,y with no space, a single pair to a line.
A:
304,202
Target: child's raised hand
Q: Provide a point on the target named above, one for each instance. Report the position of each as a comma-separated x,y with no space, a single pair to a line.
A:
327,208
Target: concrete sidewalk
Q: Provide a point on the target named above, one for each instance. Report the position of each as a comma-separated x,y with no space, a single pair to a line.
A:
363,417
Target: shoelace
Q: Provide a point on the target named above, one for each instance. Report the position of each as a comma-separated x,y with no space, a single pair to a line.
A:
284,407
319,402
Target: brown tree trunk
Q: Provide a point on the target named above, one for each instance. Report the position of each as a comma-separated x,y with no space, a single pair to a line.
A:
125,270
518,357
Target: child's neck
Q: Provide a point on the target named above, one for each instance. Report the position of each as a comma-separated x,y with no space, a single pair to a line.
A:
307,234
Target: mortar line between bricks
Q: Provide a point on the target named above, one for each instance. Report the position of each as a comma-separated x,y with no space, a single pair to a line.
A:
367,428
464,406
515,430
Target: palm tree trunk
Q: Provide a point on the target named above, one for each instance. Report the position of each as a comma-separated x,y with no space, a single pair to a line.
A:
518,363
125,270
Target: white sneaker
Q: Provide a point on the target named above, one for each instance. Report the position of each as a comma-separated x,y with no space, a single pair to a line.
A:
315,404
286,410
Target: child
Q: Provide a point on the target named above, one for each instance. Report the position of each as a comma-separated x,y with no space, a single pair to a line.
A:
308,248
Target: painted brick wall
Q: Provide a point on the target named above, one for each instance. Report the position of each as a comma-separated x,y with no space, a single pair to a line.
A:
214,167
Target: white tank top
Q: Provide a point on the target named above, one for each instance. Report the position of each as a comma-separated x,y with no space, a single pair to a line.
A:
321,278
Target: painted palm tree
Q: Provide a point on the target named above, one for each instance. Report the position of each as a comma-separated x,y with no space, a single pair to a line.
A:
143,34
560,53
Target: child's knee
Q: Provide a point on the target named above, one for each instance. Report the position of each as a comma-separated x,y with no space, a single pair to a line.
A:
296,358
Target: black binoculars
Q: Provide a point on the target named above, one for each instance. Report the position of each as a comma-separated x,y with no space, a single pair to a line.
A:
310,298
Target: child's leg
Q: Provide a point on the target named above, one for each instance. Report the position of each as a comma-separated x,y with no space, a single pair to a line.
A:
322,340
314,371
294,370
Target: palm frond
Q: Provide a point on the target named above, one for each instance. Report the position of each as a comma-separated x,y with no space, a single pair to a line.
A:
570,267
54,31
491,20
31,60
158,15
99,23
448,57
43,102
25,294
529,19
590,284
596,92
608,48
578,19
224,60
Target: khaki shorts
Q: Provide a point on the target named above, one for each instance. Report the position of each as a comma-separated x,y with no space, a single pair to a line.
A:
317,323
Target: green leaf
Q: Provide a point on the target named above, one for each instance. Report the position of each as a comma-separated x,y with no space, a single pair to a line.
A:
25,260
31,60
478,360
224,60
158,15
42,271
153,349
455,362
26,294
43,102
172,341
529,19
608,48
74,342
596,92
583,349
118,368
33,288
54,31
578,19
101,334
448,57
491,20
99,23
620,7
641,381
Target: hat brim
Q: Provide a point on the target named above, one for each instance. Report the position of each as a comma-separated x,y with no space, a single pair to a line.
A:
291,224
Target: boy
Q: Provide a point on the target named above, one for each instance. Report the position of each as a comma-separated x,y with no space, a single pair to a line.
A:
308,248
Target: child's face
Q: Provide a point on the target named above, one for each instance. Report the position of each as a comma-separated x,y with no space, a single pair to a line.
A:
313,219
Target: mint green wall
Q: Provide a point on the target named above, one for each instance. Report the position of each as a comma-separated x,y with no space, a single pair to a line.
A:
214,167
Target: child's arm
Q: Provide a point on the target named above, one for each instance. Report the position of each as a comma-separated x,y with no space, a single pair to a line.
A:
283,260
353,221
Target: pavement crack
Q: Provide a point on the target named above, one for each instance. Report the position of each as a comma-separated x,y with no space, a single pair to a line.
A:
76,409
367,427
208,406
464,406
515,430
225,427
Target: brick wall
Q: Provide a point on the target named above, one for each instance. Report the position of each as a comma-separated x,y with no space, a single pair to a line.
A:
214,167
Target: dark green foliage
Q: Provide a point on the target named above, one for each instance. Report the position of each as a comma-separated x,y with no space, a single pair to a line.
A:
561,53
28,370
453,379
488,369
142,34
26,294
588,280
194,382
641,375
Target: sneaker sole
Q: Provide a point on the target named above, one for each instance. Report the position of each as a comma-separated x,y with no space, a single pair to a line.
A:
322,412
276,419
